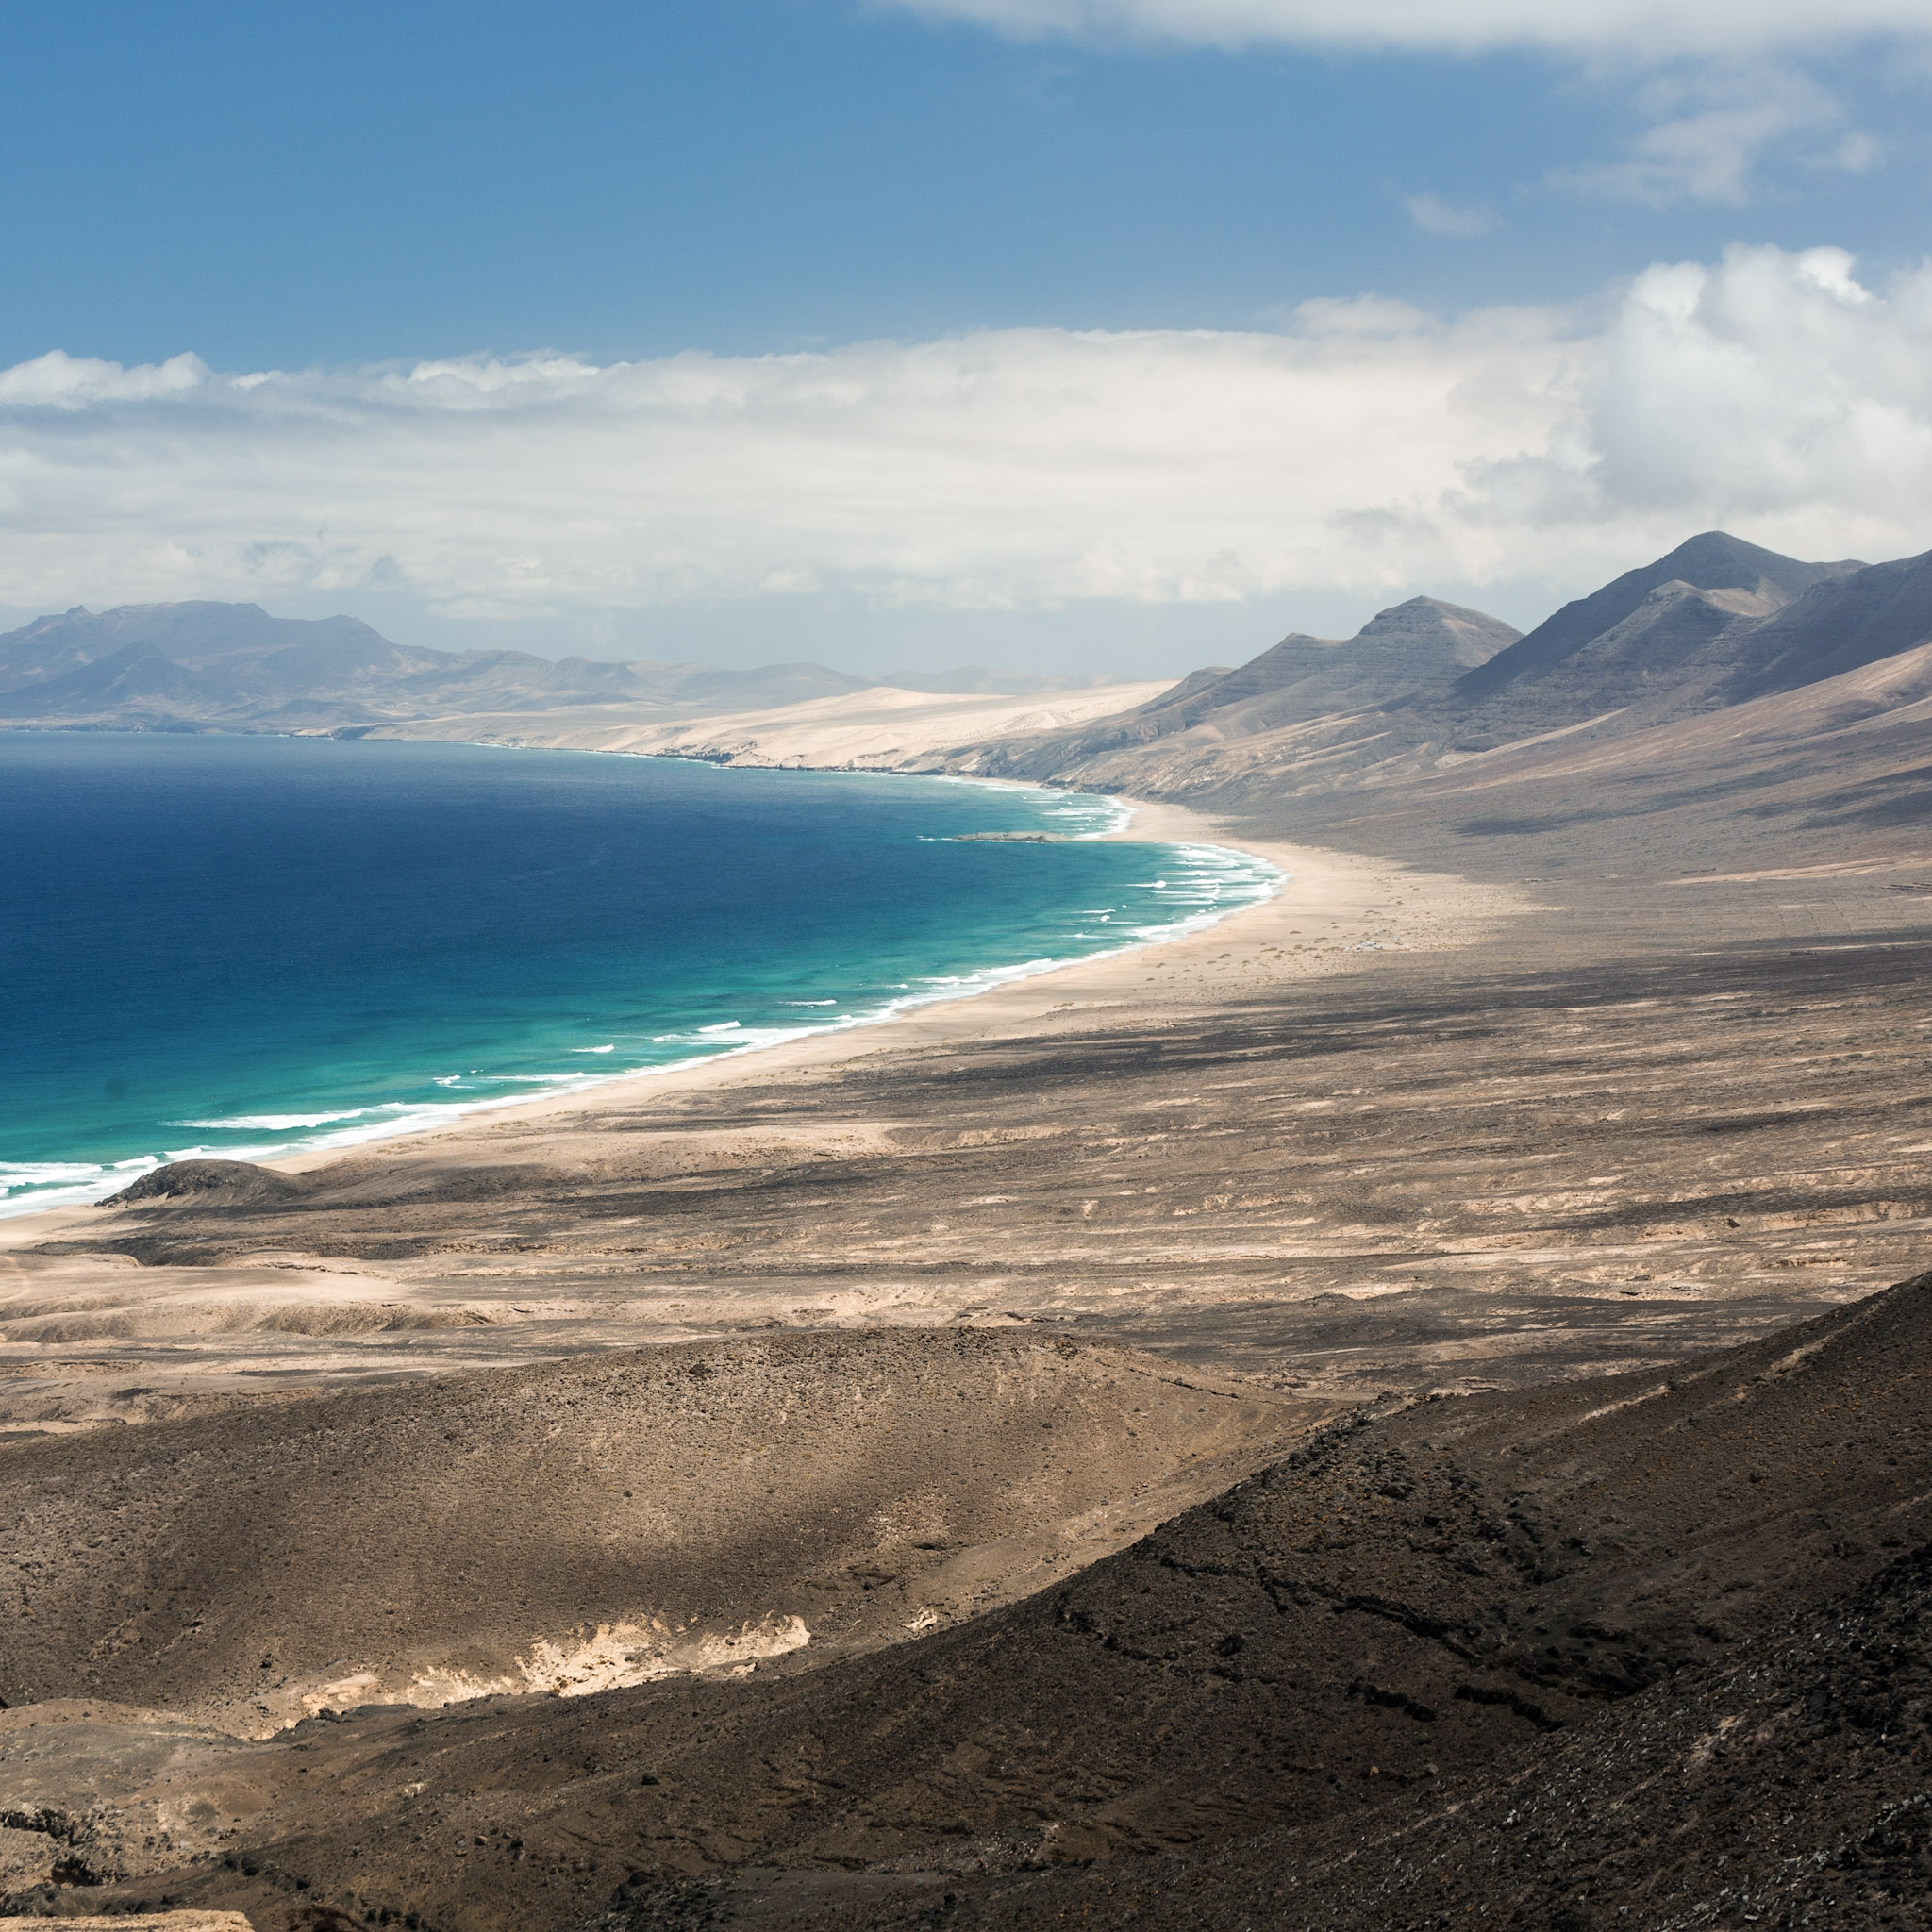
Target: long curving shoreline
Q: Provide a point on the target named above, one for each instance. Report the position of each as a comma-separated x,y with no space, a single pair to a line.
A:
1328,906
1332,911
1392,1129
641,973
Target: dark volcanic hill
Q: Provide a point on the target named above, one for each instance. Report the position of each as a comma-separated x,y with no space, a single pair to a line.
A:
1648,1649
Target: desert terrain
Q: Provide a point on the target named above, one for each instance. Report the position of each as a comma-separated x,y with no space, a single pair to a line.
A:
1404,1408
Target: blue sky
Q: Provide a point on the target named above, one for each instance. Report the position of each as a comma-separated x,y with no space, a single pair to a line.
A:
333,192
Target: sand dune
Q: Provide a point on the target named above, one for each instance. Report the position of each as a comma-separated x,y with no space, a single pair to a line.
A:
879,728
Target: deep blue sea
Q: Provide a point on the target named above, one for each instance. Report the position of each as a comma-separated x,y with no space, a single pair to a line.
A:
241,946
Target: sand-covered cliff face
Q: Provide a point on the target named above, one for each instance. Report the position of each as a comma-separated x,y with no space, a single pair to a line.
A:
595,1522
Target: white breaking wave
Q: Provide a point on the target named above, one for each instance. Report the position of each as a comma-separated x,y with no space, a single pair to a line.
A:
1096,815
278,1122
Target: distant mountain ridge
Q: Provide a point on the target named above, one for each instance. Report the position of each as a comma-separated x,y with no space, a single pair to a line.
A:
202,665
1424,688
1711,562
1411,653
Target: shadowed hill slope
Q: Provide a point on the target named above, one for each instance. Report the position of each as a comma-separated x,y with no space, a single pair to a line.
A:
1785,1785
1686,649
592,1522
1411,653
1451,1606
1840,625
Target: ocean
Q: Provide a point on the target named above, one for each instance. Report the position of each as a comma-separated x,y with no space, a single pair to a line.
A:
241,946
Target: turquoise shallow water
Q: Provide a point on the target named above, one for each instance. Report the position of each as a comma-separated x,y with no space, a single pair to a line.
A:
242,946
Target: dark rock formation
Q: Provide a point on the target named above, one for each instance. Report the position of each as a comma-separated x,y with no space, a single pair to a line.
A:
213,1183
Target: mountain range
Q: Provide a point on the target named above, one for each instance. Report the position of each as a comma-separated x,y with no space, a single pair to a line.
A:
1720,695
208,666
1717,696
1715,623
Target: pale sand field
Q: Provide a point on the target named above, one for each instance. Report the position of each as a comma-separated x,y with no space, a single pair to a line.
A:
875,728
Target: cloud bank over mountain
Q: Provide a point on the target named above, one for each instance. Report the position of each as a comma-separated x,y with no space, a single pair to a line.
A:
1364,444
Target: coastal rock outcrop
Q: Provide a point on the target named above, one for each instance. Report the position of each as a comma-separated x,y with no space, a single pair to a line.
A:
211,1183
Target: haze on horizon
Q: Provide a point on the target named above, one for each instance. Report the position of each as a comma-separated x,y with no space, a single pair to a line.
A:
1080,334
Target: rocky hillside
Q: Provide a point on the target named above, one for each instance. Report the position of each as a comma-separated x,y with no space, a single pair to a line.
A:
1652,1641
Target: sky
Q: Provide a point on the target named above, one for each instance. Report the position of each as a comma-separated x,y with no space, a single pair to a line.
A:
1084,335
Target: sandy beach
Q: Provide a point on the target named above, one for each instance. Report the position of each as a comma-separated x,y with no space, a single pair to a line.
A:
1332,909
1392,1127
1335,916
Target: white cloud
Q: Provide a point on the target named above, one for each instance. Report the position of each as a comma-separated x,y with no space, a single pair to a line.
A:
1714,126
1772,392
1435,216
61,381
1648,28
1367,445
